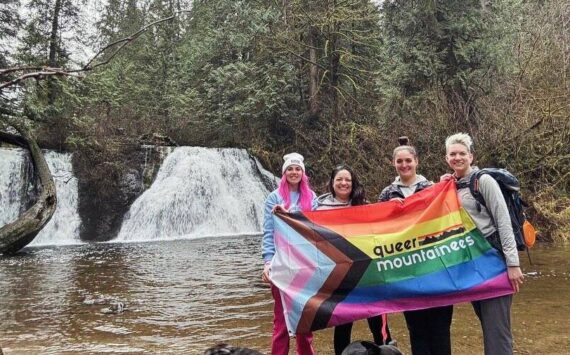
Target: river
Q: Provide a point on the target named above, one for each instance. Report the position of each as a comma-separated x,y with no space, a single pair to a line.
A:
184,296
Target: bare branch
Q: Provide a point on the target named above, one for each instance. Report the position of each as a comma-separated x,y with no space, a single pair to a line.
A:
42,72
38,74
124,42
15,69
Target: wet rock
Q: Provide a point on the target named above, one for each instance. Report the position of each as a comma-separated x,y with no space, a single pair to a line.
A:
106,192
156,139
90,300
131,182
115,308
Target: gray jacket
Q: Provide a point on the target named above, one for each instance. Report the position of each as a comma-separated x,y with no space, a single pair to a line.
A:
328,202
494,217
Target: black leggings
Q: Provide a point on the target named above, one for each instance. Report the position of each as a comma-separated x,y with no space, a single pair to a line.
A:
430,330
343,332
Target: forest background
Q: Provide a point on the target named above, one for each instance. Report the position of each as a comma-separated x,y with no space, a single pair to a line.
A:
337,81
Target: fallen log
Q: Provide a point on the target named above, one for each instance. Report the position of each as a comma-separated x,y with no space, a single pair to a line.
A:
16,235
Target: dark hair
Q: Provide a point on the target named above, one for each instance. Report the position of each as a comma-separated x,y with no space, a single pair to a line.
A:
357,195
223,349
369,348
404,143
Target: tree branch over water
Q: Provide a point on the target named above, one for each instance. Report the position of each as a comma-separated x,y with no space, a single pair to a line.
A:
43,72
21,232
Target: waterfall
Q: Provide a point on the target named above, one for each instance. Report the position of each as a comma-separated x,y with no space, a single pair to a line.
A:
13,163
63,228
199,192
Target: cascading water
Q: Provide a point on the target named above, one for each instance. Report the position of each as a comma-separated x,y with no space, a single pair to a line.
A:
199,192
13,164
63,228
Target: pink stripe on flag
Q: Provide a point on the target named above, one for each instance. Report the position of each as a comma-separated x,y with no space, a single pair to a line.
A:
302,277
495,287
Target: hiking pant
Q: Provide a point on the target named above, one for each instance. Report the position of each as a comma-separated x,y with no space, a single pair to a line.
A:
430,330
378,327
280,339
495,317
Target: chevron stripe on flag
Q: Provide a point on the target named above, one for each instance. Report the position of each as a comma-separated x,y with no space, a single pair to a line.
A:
337,266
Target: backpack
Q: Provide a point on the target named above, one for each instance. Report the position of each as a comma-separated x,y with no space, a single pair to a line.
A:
525,234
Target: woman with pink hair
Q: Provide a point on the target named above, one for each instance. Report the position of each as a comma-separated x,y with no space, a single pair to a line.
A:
294,194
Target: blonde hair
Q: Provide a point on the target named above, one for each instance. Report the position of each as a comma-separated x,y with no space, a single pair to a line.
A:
459,138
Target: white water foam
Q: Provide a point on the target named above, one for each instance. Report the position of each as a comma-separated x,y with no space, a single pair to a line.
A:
199,192
12,188
63,228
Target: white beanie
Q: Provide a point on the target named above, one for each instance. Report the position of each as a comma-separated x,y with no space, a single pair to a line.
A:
292,159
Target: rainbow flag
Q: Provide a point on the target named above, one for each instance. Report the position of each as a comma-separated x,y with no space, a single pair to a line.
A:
337,266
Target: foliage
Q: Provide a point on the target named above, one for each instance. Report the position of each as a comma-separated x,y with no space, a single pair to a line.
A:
10,22
337,81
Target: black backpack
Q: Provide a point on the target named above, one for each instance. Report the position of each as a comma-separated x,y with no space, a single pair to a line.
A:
510,188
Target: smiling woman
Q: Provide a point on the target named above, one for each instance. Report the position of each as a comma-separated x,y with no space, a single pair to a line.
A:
495,224
342,185
408,182
429,328
459,156
293,174
294,194
344,191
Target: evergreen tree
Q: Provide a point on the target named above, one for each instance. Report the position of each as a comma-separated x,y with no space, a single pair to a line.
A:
144,76
42,42
338,44
44,45
442,46
10,22
239,90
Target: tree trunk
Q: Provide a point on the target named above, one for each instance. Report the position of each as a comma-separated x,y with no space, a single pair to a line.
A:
53,39
16,235
334,65
314,106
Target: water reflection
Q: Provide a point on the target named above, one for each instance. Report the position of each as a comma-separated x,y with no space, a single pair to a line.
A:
179,296
184,296
35,293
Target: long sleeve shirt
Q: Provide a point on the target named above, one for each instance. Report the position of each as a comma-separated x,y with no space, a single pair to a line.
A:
268,243
492,218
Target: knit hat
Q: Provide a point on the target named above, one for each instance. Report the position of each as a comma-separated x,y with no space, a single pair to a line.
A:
292,159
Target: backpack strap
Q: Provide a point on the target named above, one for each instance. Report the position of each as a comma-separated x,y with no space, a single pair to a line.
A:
474,189
461,185
473,185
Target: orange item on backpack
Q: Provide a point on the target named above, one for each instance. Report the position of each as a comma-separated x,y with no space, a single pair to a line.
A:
529,234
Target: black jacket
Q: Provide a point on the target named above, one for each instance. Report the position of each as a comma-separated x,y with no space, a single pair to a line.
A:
393,190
